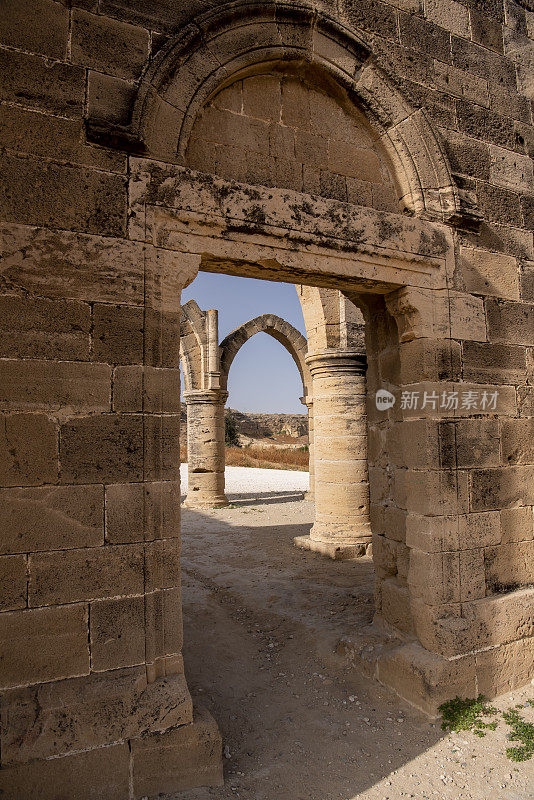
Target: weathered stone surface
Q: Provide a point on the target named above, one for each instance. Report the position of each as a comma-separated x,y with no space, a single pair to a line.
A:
509,566
67,386
117,633
31,81
46,644
75,575
60,777
118,334
37,26
495,363
36,328
89,712
137,512
13,582
94,203
510,322
28,450
32,132
179,759
502,488
107,45
51,518
102,449
489,273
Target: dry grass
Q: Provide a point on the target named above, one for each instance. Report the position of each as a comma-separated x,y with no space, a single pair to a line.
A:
267,457
262,457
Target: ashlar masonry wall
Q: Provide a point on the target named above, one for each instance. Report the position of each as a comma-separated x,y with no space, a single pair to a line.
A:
95,97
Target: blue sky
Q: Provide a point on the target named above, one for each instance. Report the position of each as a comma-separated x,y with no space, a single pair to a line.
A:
263,376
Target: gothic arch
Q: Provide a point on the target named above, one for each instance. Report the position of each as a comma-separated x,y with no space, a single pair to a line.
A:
240,38
192,346
279,329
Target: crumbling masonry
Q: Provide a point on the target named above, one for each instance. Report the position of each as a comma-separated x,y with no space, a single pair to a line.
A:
380,149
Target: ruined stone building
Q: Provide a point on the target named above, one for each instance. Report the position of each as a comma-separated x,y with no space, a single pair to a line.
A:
381,150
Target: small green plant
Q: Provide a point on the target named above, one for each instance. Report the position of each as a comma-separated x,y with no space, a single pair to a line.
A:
522,732
466,715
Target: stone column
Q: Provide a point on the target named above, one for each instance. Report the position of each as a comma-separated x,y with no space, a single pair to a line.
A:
308,402
205,448
341,529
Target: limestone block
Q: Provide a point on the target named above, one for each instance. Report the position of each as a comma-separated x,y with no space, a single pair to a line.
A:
485,362
467,155
161,447
510,322
179,759
486,31
73,575
35,328
440,493
107,45
32,132
517,441
13,582
517,525
505,668
500,619
483,62
425,37
502,488
55,87
164,635
449,15
396,605
434,577
128,388
136,512
51,518
109,99
37,26
106,767
118,334
496,203
46,644
117,633
373,16
345,447
162,339
384,555
355,162
61,264
477,443
509,566
162,564
425,359
69,386
489,273
472,580
91,201
448,533
424,679
28,450
102,449
511,170
451,80
89,712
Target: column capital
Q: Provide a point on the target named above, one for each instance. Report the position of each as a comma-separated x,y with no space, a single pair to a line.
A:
205,396
348,360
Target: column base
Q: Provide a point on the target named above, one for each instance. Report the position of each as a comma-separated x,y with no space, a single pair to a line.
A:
220,501
338,551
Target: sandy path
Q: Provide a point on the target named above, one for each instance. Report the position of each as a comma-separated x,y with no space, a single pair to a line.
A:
261,623
244,480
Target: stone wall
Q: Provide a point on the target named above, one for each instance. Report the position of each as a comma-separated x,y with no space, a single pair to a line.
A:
89,340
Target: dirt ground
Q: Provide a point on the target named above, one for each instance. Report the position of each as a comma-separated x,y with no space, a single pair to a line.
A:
262,620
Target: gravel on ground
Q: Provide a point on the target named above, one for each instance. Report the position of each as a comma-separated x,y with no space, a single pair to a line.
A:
244,480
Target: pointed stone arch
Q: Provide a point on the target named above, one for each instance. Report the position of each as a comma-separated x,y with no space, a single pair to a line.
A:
288,336
192,345
236,39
